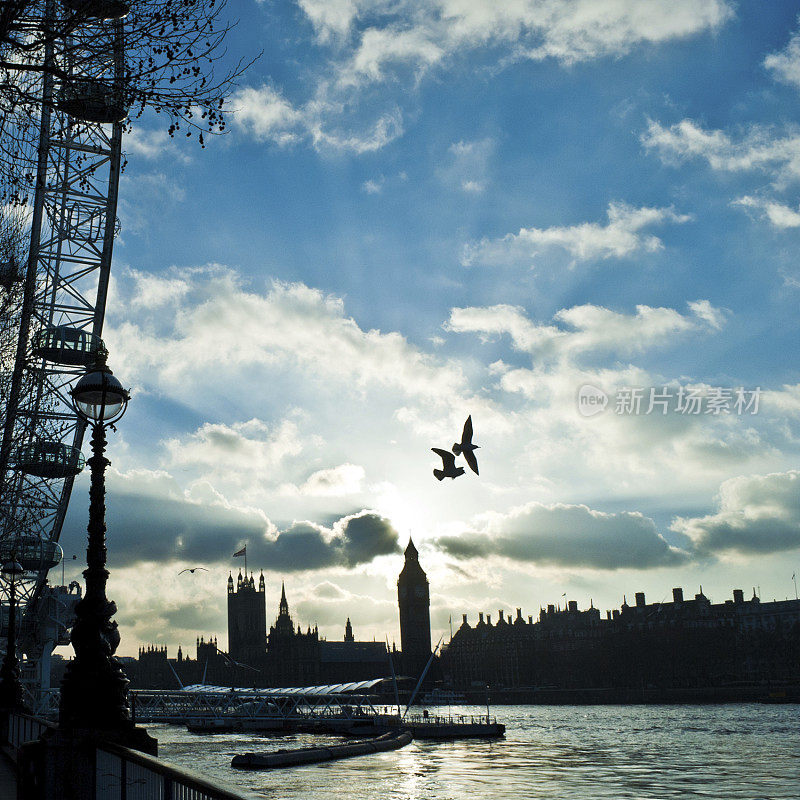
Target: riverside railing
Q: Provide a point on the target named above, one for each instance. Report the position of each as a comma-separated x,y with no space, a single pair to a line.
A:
451,719
121,773
24,728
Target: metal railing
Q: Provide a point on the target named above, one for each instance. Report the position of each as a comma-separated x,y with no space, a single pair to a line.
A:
24,728
123,774
451,719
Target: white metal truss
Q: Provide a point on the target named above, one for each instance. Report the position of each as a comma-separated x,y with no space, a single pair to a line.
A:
202,703
72,233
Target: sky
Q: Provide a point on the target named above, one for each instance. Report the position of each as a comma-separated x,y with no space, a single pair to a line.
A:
574,220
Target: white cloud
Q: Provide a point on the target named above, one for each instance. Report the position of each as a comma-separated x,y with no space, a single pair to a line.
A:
756,514
220,333
785,64
340,481
623,235
778,214
468,168
152,144
787,399
155,292
221,448
397,44
373,186
268,116
380,47
330,18
702,309
758,148
426,33
586,329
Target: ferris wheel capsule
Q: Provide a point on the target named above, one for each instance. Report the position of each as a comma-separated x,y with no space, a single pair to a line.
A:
91,100
102,9
33,553
62,344
47,459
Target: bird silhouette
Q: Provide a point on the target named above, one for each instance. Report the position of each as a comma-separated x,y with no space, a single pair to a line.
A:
450,470
192,570
465,446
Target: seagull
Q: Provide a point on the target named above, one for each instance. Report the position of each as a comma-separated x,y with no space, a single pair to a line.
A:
465,446
449,463
192,570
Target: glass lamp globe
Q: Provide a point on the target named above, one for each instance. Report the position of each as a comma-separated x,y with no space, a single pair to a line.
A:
12,569
99,396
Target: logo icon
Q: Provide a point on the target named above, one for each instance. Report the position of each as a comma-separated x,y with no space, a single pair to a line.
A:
591,400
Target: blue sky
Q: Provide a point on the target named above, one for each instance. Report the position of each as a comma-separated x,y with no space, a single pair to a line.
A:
432,209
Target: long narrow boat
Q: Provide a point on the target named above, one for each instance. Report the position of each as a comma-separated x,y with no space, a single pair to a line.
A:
314,755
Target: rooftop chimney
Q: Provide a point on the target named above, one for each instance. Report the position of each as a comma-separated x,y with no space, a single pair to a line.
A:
677,595
640,599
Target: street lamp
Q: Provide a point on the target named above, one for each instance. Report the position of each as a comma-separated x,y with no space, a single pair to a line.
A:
10,687
94,696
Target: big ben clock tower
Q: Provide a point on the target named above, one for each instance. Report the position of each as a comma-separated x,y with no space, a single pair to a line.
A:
414,601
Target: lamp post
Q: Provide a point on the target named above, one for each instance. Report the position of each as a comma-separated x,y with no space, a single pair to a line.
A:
10,687
94,696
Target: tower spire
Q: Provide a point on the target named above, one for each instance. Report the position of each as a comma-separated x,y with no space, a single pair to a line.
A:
284,606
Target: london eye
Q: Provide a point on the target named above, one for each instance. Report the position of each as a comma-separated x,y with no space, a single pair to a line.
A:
61,277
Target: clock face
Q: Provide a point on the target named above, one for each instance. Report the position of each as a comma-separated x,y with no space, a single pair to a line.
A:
403,592
419,591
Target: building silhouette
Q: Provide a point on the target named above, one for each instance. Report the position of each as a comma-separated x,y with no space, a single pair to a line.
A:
247,620
685,644
292,657
676,650
413,598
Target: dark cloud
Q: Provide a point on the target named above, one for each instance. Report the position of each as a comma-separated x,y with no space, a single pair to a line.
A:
149,519
353,540
301,546
365,536
568,536
757,514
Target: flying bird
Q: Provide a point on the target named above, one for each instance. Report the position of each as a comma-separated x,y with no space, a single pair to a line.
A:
450,470
192,570
465,446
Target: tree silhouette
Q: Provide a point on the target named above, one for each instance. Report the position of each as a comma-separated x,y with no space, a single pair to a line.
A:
158,55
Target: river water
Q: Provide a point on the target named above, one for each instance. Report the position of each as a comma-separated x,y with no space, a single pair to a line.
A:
731,752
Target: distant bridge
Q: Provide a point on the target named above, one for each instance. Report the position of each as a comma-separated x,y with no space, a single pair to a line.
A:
349,704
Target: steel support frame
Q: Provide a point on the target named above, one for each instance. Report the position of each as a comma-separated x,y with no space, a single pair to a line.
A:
73,227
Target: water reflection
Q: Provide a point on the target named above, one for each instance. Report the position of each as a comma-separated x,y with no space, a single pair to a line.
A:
744,752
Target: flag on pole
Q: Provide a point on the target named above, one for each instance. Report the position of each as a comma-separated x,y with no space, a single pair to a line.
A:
241,552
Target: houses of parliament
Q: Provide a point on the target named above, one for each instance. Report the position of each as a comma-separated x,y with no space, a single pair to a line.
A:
286,655
688,643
